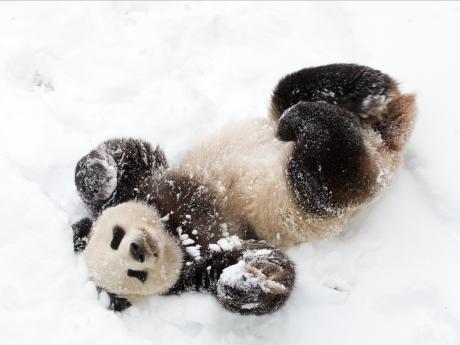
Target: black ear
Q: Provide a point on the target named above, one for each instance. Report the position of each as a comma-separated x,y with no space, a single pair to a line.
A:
81,230
116,303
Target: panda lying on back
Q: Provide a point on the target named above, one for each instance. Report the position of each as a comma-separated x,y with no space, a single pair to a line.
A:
335,136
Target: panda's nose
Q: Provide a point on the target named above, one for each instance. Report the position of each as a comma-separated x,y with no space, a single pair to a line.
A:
137,251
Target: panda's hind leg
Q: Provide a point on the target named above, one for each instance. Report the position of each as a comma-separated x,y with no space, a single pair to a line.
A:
372,96
116,170
330,169
358,89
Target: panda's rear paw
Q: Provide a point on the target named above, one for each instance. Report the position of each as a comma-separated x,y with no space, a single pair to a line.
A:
300,119
315,124
288,124
96,176
295,121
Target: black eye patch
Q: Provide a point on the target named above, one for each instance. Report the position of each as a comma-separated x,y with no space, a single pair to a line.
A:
141,275
118,234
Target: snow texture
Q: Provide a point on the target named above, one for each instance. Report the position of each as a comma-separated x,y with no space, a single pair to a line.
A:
237,275
229,243
75,74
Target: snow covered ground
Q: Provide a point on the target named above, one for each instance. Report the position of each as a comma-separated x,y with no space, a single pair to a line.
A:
74,74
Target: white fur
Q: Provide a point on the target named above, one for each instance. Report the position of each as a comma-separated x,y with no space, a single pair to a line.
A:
247,165
108,267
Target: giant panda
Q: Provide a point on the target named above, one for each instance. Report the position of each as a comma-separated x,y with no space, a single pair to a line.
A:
334,136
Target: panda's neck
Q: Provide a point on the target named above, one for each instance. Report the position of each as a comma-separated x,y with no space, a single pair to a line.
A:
190,212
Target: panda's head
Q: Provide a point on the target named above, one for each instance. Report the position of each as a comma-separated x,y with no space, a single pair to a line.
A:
129,253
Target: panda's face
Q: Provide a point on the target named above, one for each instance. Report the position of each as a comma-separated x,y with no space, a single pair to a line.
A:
130,254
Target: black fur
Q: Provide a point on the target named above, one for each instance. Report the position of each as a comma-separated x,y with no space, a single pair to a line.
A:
330,168
137,251
345,85
188,205
136,163
118,234
81,230
116,303
140,275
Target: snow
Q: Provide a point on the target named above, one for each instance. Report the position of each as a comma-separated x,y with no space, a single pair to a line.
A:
255,253
229,243
234,276
188,242
194,251
214,247
75,74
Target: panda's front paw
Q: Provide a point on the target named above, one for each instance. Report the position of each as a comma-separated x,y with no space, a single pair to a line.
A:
251,277
96,176
274,272
267,276
259,283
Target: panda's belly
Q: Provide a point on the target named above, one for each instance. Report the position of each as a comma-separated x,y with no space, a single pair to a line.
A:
247,166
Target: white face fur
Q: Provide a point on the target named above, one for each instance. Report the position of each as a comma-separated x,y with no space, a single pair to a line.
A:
130,254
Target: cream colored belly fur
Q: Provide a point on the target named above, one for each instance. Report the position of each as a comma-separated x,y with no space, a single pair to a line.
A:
247,165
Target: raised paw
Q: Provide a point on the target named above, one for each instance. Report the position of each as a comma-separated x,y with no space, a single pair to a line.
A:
116,171
330,168
359,89
271,267
267,281
96,176
249,276
318,125
259,283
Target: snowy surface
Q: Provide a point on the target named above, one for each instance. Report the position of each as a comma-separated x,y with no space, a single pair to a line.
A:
72,75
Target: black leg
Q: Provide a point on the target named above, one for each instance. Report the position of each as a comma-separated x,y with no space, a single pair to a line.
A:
330,168
359,89
116,171
253,278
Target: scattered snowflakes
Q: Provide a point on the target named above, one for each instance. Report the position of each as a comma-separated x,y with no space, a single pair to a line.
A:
194,251
214,247
229,243
188,241
252,253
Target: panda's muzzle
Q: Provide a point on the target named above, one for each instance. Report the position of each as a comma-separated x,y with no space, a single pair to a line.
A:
142,247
